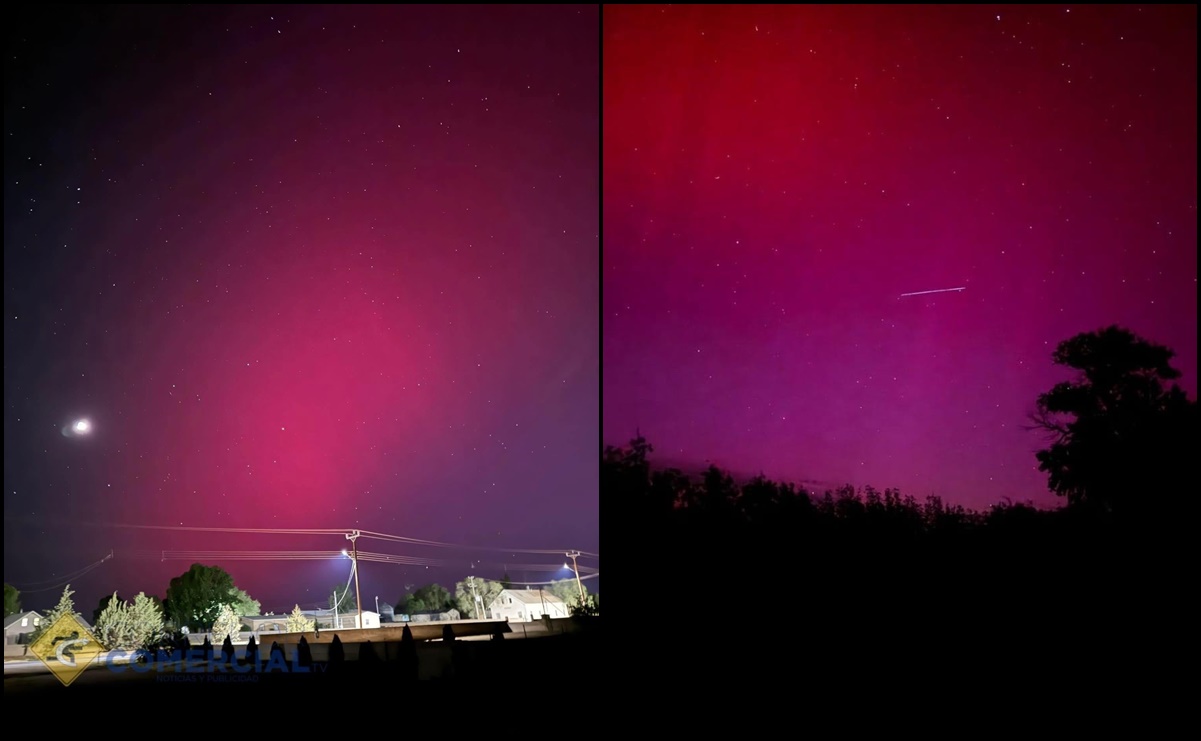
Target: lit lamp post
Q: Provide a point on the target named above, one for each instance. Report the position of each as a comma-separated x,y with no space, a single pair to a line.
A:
573,555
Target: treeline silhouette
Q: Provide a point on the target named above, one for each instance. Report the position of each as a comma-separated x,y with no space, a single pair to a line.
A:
864,578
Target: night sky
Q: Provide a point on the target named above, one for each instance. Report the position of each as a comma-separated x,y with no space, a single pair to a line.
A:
300,267
776,177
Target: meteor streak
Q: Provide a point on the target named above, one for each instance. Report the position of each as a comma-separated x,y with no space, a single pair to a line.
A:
936,290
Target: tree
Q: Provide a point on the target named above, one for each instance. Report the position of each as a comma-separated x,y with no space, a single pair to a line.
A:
568,590
105,601
589,608
627,470
244,605
148,623
129,627
430,598
298,622
65,606
465,596
342,598
227,623
12,600
1118,434
437,597
196,596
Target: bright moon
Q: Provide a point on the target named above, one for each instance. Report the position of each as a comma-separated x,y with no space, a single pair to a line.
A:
82,427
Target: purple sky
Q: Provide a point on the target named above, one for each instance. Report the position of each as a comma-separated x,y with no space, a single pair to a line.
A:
776,177
302,267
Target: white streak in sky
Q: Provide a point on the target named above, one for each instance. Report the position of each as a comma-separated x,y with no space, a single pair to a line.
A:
937,290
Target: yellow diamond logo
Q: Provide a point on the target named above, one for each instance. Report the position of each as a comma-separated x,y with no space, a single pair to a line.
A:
67,648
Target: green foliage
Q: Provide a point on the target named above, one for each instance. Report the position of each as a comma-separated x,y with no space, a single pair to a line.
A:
465,597
591,607
130,627
298,622
568,590
196,597
65,606
12,600
244,605
430,598
105,601
342,598
227,624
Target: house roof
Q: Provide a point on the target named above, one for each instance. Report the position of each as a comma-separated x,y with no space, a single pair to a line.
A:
531,596
12,619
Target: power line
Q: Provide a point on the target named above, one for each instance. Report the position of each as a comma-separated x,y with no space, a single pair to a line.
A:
556,581
336,531
437,544
390,558
233,555
64,581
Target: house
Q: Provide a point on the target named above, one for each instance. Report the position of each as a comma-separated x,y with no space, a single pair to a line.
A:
266,623
326,619
431,617
20,626
521,605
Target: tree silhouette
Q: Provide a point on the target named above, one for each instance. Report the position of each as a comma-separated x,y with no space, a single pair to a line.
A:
1119,436
196,596
12,599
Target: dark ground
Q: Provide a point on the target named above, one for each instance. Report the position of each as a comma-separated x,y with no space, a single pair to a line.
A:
545,659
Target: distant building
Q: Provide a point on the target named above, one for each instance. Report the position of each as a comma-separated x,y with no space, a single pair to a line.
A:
266,623
431,617
323,619
326,619
522,605
18,627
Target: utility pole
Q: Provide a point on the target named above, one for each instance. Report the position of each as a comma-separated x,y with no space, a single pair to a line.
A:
573,555
353,537
474,596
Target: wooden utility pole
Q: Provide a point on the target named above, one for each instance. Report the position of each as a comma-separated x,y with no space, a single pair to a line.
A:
353,537
576,568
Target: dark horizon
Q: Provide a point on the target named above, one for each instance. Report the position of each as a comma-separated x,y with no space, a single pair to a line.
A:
792,194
